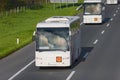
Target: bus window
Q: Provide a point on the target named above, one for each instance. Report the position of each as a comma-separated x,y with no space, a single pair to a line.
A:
53,38
93,9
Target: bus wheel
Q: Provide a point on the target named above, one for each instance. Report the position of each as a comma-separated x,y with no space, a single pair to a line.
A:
76,60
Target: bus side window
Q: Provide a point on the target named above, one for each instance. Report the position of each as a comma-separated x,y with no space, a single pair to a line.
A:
75,27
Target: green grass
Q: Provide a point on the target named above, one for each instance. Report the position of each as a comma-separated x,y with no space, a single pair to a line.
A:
22,25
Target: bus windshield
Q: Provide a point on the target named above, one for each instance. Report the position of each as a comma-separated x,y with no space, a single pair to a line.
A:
93,9
53,38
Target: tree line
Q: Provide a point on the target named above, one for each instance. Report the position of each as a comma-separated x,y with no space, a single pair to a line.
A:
6,5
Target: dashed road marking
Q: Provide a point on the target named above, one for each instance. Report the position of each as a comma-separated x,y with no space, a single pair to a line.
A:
111,19
70,76
85,56
108,25
114,14
116,11
95,42
81,23
103,32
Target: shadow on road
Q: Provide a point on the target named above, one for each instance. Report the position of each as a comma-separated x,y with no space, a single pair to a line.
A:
106,20
118,2
84,54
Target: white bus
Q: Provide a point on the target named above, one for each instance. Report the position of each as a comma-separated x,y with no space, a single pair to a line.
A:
93,11
112,1
58,41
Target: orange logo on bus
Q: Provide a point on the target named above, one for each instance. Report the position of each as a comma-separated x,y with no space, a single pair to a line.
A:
95,19
58,59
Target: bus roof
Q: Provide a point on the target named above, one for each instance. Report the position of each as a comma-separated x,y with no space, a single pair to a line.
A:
48,25
93,1
57,21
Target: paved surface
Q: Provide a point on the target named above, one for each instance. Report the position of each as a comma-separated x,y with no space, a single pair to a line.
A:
101,41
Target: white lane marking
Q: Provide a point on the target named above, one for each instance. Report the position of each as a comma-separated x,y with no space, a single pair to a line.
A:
108,25
85,56
11,78
111,19
103,8
118,8
116,11
114,14
95,42
70,76
103,32
81,23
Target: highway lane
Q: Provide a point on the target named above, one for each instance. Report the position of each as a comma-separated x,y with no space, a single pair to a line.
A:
13,63
103,62
89,34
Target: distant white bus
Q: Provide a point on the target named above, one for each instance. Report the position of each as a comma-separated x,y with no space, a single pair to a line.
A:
112,1
93,11
58,41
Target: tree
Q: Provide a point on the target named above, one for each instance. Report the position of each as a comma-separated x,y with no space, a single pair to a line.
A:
11,4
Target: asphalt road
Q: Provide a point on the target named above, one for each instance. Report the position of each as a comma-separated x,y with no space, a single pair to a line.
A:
102,42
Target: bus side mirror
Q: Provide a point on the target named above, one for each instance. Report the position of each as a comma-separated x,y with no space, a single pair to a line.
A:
34,36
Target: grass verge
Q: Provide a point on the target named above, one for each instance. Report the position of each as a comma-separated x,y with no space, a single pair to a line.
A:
23,24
